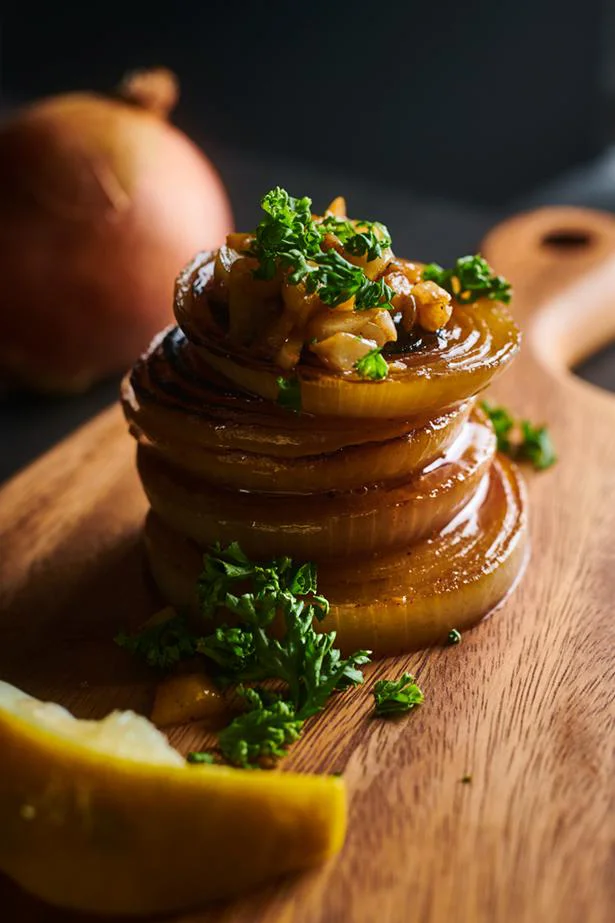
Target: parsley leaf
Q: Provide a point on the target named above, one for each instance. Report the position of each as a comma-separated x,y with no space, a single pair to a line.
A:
289,237
161,644
304,660
470,278
230,648
264,731
304,581
199,757
534,443
286,229
359,239
336,281
372,365
536,446
289,394
396,696
503,424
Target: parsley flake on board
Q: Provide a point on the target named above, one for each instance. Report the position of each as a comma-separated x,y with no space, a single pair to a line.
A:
395,697
201,758
503,425
469,279
263,732
533,444
536,446
160,644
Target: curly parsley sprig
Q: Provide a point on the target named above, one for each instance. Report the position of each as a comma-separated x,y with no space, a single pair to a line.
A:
361,238
532,443
289,237
161,643
335,280
286,232
469,279
262,733
303,662
395,697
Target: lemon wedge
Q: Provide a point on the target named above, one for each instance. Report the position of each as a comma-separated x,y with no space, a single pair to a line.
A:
105,816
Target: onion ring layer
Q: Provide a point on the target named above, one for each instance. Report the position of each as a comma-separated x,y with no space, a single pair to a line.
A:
404,600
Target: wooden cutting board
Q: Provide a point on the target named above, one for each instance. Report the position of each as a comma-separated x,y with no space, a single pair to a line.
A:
524,705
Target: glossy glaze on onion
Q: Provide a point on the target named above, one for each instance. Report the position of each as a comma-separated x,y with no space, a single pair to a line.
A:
175,402
402,600
322,525
393,487
452,366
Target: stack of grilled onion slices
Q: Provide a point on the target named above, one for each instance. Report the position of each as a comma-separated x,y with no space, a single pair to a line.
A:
392,486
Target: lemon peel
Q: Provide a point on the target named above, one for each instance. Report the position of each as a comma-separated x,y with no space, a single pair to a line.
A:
104,816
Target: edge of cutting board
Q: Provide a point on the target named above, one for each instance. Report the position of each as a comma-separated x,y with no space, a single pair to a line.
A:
524,704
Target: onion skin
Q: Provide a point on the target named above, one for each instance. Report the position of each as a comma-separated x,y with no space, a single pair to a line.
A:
101,202
320,526
401,601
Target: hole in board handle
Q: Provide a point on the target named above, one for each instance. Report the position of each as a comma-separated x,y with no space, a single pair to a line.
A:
567,239
599,369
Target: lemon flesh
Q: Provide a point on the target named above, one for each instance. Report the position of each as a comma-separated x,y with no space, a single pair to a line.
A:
105,816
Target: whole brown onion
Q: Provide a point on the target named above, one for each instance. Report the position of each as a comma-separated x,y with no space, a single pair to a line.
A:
101,204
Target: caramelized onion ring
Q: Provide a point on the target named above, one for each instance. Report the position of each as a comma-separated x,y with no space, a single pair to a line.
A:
162,408
172,397
402,601
478,341
317,527
347,469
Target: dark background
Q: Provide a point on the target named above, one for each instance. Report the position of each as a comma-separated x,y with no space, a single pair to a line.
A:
477,101
437,117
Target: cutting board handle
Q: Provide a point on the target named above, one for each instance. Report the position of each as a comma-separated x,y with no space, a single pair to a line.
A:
559,259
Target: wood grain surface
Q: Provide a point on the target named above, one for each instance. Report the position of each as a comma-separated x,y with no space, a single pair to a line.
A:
524,705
